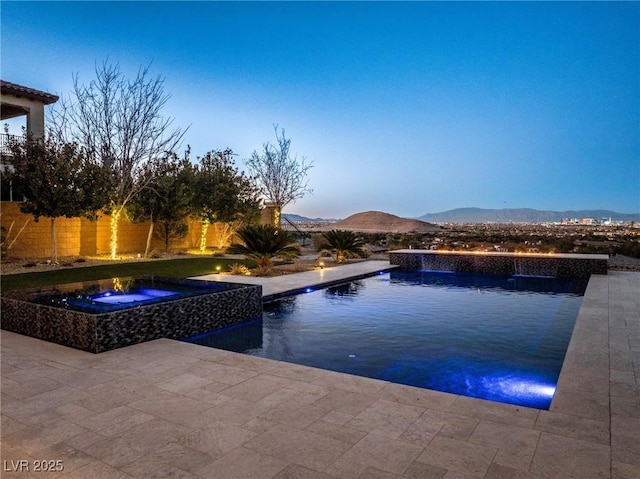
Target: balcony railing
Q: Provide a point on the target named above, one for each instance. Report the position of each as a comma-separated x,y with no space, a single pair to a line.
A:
5,140
5,152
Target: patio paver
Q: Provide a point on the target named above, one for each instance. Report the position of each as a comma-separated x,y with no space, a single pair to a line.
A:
172,409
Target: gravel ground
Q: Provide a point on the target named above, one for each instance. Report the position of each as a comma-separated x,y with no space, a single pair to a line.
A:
624,263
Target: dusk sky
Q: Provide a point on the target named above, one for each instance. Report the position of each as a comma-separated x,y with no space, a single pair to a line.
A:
407,108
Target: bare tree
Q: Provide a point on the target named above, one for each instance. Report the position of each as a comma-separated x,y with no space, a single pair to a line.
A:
119,123
280,178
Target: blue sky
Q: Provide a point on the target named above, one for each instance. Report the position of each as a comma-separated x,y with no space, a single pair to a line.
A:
408,108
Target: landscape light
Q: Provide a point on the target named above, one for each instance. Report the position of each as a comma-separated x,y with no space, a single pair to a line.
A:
113,228
117,285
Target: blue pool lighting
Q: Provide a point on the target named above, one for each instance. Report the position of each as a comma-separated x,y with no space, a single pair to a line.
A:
111,295
142,294
427,330
530,391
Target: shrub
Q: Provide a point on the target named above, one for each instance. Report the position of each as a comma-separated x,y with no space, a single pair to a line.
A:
344,243
262,243
239,269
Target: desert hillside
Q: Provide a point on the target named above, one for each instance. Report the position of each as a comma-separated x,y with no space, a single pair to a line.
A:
379,222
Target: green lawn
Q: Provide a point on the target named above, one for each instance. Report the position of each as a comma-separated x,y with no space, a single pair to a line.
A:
173,268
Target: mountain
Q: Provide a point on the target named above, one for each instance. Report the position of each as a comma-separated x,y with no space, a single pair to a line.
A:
303,219
379,222
520,215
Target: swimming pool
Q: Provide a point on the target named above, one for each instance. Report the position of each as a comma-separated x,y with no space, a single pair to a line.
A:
497,338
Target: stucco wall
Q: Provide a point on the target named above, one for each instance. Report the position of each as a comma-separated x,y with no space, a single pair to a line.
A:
33,109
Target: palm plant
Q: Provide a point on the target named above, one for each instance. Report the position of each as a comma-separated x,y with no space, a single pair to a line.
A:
262,243
343,243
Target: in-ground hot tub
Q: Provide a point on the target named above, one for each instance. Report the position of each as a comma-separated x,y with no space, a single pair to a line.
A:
108,314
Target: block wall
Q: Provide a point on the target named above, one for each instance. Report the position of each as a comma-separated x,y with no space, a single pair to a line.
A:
34,237
83,237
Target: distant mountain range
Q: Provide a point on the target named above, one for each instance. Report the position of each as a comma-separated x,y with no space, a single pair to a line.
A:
303,219
520,215
506,215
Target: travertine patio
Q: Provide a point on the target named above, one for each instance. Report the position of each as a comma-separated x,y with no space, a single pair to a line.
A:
171,409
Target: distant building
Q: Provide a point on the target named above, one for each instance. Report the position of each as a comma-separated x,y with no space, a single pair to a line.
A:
588,222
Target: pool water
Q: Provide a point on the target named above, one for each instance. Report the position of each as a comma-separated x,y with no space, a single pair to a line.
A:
142,294
121,293
502,339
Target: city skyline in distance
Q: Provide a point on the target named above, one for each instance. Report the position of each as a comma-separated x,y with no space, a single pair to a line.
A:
505,215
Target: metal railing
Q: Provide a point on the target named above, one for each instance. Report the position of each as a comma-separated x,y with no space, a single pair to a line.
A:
5,141
302,234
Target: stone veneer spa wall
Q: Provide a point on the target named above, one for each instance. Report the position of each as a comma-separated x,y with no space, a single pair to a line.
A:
506,264
103,331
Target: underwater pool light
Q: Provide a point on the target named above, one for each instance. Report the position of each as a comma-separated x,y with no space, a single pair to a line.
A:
526,388
510,386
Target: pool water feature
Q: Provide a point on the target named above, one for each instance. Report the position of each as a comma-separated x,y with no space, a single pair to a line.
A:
497,338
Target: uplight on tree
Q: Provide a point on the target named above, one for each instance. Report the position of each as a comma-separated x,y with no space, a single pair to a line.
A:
222,194
119,123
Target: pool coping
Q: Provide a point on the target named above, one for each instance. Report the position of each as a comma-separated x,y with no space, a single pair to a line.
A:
276,287
285,420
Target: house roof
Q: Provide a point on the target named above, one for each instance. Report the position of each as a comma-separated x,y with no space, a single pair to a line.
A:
8,88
